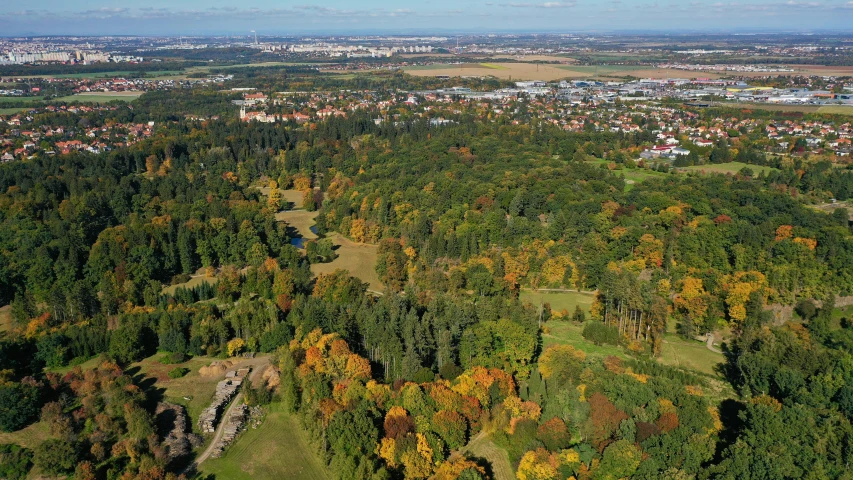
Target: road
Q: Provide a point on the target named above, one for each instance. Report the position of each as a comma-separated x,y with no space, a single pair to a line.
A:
259,366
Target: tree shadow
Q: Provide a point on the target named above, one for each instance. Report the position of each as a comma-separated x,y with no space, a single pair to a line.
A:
148,385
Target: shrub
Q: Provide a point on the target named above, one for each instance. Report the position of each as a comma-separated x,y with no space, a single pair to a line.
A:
599,333
178,372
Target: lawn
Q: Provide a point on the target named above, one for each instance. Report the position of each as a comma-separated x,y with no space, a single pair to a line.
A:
279,448
483,447
563,332
689,354
559,301
729,168
300,220
358,258
632,176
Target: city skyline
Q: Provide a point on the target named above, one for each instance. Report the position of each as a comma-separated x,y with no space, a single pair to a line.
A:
158,17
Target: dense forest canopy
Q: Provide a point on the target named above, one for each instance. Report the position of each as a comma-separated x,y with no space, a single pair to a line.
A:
466,214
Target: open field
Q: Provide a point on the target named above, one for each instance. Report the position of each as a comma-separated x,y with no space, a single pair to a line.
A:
535,58
559,301
195,281
632,176
5,318
113,74
513,71
776,107
676,351
100,97
5,99
29,437
483,447
11,110
300,220
358,258
563,332
689,354
192,385
279,448
729,168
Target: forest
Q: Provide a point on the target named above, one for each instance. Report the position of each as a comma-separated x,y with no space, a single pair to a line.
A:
466,216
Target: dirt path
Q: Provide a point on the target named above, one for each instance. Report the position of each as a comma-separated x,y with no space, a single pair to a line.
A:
259,366
710,344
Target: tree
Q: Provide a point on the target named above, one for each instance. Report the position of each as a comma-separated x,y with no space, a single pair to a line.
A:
353,432
451,427
562,363
236,346
620,460
56,457
15,461
19,405
127,343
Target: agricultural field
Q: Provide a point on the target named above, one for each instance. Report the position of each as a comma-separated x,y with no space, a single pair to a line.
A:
506,71
279,448
358,258
11,110
728,168
35,99
559,301
100,97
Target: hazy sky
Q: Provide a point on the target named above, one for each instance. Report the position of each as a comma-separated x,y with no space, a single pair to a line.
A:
18,17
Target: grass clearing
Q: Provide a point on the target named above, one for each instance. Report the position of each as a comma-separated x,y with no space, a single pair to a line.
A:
632,176
563,332
689,354
198,389
358,258
279,448
29,437
483,447
729,168
301,221
192,283
5,318
559,301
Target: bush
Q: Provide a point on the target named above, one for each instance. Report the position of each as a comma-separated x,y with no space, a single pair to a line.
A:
174,358
599,333
178,372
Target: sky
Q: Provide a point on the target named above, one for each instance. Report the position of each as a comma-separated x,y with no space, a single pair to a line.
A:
282,17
